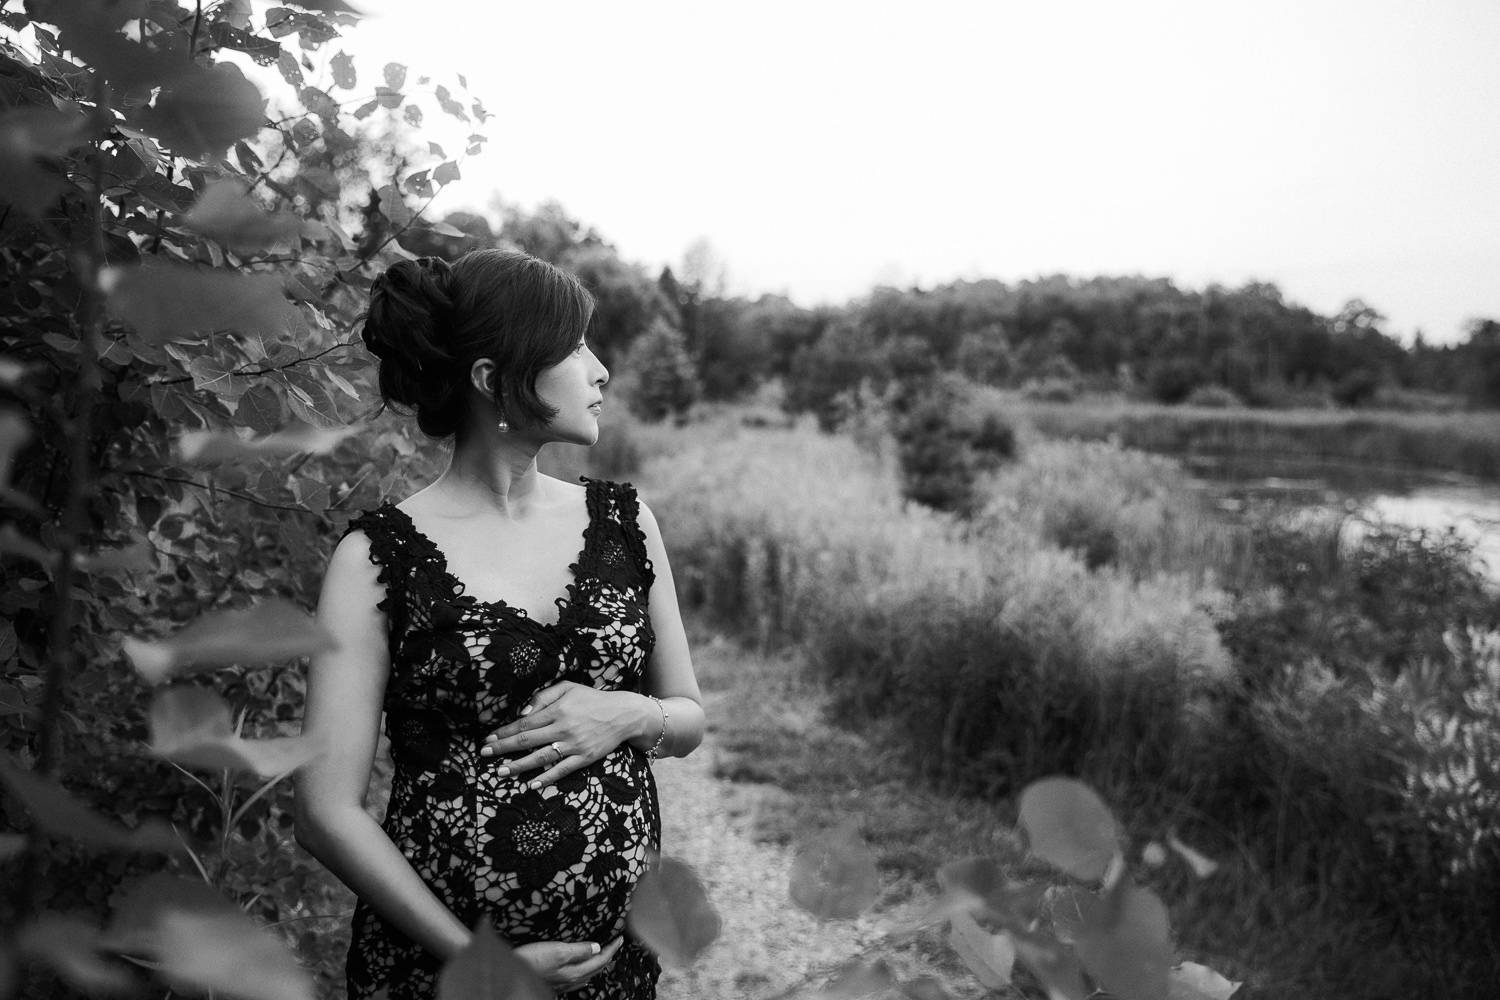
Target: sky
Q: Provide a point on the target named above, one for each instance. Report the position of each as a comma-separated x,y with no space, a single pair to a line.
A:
1337,149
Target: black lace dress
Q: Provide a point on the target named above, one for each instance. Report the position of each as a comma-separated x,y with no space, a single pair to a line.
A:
551,865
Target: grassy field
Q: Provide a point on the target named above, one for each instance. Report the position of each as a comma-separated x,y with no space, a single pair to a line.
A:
1463,442
1270,695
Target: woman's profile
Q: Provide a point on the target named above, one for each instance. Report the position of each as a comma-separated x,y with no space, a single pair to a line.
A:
521,637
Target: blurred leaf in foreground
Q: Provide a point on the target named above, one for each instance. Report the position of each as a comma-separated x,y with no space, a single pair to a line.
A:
75,951
857,979
989,956
1069,826
178,303
60,814
198,940
207,447
487,969
32,142
192,727
671,914
1190,981
265,633
226,212
834,876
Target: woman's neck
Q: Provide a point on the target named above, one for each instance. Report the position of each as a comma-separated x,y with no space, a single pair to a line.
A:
494,472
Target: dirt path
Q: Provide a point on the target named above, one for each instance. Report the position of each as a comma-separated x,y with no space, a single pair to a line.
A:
767,944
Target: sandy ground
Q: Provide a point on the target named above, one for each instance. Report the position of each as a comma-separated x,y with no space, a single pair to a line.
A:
767,945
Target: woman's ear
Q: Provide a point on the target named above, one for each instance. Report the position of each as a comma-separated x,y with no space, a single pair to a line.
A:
482,377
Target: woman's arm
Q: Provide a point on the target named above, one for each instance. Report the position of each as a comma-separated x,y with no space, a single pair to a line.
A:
669,674
586,723
345,688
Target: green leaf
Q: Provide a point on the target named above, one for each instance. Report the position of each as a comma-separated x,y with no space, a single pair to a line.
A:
395,75
980,888
15,433
418,184
11,844
925,988
343,71
856,979
393,206
366,110
671,914
260,409
290,71
413,116
1054,965
319,103
1124,940
137,557
833,876
226,212
264,51
74,950
198,940
174,303
446,173
192,727
265,633
1069,826
13,542
449,105
989,956
206,111
1190,981
32,142
60,814
389,98
487,969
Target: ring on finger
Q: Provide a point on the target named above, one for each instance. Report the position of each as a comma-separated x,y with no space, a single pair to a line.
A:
557,750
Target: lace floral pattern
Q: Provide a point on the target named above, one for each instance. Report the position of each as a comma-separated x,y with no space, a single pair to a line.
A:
551,865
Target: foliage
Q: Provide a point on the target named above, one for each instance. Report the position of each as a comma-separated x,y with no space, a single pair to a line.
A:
181,287
664,381
944,445
987,657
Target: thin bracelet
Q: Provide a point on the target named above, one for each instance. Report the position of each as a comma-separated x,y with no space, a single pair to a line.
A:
656,747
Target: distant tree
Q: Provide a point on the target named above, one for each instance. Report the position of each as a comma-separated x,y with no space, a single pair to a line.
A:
986,356
1482,363
666,383
845,355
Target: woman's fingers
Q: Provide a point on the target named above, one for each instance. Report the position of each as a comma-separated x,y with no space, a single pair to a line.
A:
586,966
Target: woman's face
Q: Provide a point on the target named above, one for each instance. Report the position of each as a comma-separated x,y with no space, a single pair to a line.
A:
574,387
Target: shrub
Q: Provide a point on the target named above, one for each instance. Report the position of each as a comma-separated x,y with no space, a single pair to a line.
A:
664,380
1214,397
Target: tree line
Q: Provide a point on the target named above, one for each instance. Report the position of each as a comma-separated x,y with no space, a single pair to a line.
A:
1055,335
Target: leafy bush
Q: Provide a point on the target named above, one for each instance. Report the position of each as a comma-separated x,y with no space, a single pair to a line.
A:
665,383
1214,397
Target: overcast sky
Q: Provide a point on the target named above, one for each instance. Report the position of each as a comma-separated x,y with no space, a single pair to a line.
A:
1338,149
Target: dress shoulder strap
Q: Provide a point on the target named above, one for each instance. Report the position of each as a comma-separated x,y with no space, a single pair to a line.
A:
391,554
619,545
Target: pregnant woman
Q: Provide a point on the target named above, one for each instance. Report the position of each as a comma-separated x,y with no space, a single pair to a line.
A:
522,639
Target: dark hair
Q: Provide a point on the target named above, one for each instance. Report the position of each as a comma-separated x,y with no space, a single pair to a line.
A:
429,321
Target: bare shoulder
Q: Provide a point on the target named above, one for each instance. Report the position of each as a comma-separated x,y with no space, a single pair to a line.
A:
351,564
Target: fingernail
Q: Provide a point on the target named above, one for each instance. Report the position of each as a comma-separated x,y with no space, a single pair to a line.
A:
594,948
504,772
526,710
487,751
534,785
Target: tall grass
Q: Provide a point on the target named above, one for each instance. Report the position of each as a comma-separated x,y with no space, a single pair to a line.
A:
1079,625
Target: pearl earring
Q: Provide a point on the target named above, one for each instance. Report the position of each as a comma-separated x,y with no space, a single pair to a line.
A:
503,426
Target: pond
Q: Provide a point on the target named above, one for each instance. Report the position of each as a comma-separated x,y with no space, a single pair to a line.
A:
1405,496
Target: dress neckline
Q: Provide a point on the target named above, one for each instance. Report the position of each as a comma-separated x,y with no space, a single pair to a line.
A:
439,560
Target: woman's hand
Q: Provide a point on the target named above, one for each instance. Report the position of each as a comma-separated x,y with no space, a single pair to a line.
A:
568,726
566,966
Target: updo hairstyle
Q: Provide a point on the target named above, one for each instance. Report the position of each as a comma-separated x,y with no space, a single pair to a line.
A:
429,321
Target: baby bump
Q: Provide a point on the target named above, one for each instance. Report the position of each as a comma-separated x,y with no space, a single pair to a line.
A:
559,863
